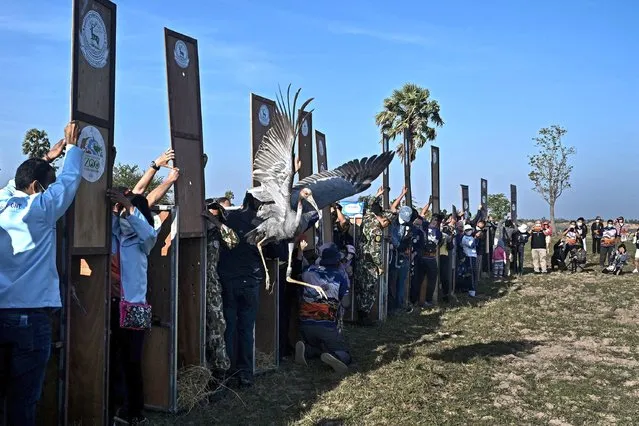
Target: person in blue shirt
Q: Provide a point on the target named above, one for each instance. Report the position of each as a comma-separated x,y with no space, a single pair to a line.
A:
30,206
426,241
133,238
318,316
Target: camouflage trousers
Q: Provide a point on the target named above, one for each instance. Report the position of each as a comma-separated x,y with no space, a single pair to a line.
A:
216,355
366,277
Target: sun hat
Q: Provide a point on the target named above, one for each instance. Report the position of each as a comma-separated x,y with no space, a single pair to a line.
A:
523,228
467,228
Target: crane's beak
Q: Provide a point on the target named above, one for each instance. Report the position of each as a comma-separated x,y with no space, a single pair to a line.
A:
311,200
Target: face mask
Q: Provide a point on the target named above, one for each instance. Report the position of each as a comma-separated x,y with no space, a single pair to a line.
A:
580,223
349,256
621,222
468,232
125,227
610,225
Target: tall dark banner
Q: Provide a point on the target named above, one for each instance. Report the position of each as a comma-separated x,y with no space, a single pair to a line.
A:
86,282
434,179
185,116
305,153
267,320
513,203
385,176
484,197
465,200
407,142
322,165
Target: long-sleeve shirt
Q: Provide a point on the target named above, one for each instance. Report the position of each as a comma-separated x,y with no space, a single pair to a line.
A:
469,245
28,272
314,309
608,236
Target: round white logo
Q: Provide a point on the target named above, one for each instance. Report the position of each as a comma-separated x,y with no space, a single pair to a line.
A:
483,199
483,184
264,116
434,157
94,158
514,207
305,128
322,168
93,40
181,54
465,205
320,147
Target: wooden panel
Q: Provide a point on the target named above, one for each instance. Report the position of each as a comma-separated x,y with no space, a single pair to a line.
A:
465,200
513,203
322,165
434,179
305,153
385,175
191,187
93,215
89,316
94,97
262,111
267,322
159,352
190,343
185,113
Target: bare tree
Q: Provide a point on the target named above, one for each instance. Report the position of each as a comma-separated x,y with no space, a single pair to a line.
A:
550,168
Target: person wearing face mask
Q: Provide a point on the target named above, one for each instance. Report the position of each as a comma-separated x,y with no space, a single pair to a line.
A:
572,238
548,234
30,206
426,241
622,230
608,241
506,236
538,245
596,230
582,230
469,245
520,239
401,233
133,237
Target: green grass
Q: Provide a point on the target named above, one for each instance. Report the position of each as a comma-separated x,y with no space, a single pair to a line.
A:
557,349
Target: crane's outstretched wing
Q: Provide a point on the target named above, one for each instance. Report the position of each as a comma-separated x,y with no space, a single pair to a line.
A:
273,164
345,181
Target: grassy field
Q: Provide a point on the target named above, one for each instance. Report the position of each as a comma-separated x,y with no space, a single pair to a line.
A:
558,349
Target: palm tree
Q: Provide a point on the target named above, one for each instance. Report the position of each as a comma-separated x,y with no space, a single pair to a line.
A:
410,108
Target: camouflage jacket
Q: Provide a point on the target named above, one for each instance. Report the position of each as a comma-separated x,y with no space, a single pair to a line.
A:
370,241
219,233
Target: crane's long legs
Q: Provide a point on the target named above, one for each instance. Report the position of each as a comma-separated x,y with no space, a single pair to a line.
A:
289,271
259,248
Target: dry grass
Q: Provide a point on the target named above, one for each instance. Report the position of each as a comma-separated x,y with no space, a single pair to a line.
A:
559,349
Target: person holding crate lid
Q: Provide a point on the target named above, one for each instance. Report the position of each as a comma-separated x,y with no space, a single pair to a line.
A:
30,206
596,230
608,242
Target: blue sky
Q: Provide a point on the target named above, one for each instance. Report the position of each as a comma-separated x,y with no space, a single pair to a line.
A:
499,69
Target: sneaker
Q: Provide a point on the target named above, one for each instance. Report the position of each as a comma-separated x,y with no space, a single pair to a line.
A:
635,271
139,420
334,363
427,305
471,293
300,353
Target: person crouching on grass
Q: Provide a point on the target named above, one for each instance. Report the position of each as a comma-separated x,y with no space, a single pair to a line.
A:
318,316
617,261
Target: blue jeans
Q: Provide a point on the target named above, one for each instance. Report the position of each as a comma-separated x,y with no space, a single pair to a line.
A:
25,347
240,298
397,280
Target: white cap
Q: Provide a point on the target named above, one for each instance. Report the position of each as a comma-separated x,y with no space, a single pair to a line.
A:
523,227
467,228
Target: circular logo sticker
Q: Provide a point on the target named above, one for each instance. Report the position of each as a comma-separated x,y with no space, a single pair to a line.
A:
305,128
483,200
465,205
264,116
320,147
483,184
434,157
94,158
514,207
181,54
93,40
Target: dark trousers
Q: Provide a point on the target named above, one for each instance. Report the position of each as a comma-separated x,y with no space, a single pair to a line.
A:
445,274
25,347
320,339
424,267
240,297
605,255
596,245
125,357
397,281
518,259
473,266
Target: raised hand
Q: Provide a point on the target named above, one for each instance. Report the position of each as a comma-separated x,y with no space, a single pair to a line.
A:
174,174
71,133
118,198
298,165
55,152
165,157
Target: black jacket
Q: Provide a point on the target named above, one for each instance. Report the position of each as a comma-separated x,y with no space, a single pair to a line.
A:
583,230
597,229
537,240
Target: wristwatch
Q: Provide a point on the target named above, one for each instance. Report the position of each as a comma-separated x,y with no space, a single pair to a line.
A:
154,166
